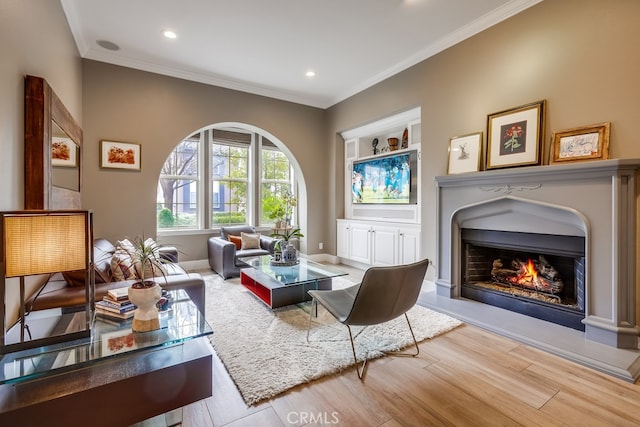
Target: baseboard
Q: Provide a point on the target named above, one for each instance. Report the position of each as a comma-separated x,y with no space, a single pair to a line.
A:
200,264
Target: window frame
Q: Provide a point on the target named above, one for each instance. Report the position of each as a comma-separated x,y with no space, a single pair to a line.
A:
205,181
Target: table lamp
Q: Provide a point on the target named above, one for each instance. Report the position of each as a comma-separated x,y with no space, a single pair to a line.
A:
45,242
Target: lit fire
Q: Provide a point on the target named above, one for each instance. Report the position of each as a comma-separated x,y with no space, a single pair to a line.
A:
528,274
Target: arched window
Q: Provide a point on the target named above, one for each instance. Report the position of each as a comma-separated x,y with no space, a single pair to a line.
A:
222,176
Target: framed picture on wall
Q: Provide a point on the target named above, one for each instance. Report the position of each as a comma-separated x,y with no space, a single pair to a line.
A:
120,155
583,143
465,153
514,136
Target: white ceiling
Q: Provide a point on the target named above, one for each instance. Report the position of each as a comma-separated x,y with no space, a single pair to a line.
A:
265,47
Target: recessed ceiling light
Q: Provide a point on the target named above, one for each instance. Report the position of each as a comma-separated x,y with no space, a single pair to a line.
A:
169,34
108,45
310,73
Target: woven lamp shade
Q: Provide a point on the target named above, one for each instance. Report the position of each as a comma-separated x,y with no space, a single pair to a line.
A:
45,243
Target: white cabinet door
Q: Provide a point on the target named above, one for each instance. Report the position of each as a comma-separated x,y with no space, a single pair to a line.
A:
343,239
384,246
360,247
409,246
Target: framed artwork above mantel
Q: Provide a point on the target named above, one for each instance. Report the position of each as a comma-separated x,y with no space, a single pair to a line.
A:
514,136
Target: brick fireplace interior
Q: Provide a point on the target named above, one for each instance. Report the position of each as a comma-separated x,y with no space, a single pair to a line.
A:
535,274
522,252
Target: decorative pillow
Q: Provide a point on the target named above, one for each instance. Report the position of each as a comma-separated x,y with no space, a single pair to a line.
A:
76,277
122,266
236,240
250,240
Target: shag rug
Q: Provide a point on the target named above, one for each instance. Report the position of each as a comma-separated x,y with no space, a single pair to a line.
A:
266,351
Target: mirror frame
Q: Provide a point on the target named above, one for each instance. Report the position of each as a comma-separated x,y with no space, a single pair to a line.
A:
42,106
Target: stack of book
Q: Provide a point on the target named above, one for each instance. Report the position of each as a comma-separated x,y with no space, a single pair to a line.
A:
116,304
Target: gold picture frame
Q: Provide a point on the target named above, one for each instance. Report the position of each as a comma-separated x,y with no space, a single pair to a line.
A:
465,153
120,155
581,143
514,136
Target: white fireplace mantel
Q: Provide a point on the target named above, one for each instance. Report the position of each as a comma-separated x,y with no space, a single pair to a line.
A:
595,199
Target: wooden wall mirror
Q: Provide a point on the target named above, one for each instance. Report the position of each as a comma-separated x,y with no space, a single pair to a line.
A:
52,151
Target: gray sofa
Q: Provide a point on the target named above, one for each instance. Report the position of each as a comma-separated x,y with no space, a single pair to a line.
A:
224,257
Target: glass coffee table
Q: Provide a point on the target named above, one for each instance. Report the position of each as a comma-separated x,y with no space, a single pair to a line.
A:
278,286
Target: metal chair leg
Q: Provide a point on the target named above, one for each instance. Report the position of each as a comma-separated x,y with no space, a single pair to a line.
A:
359,369
398,353
313,303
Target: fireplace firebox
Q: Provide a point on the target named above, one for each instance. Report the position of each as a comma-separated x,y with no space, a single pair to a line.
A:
536,274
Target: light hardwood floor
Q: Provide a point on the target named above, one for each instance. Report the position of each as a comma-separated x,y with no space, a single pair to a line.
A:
466,377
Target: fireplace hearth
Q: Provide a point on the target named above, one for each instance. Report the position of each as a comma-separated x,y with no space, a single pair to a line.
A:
539,275
591,209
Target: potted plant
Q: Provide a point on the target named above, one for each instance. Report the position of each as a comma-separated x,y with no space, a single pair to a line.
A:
289,252
145,293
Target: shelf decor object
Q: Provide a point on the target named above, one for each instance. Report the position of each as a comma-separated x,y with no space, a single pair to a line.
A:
514,136
465,153
44,242
582,143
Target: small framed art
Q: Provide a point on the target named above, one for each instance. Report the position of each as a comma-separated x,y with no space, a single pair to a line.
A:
120,155
465,153
583,143
514,136
64,152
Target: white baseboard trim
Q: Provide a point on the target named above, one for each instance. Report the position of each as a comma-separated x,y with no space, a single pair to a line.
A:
199,264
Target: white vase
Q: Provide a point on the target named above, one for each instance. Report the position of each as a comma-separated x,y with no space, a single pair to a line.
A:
146,317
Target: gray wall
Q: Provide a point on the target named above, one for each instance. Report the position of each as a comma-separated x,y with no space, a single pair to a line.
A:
579,55
35,40
121,104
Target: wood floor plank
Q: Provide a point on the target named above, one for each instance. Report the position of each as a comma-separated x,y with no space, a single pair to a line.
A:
500,377
466,377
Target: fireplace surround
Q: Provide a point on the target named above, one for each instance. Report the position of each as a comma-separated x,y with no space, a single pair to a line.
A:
591,202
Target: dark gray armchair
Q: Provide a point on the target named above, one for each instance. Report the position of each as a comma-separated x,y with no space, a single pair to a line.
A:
225,259
384,294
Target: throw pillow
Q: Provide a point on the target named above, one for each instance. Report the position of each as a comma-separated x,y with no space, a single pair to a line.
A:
236,240
122,266
250,240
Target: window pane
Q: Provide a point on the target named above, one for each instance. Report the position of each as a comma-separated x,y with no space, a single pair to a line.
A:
229,162
271,201
183,160
229,203
275,166
177,203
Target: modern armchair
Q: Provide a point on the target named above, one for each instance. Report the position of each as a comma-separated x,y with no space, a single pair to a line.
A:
384,294
225,256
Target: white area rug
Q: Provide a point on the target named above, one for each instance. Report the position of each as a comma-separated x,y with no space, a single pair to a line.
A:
266,352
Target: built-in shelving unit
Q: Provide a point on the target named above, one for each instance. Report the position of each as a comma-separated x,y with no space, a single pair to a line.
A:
358,147
381,234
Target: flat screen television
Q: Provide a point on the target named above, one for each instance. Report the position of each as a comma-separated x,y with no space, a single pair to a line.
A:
391,179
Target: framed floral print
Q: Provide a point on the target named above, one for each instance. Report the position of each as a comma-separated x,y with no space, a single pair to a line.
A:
465,153
583,143
514,136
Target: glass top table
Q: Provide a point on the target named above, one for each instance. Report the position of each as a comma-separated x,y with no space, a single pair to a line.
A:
280,285
305,271
109,338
